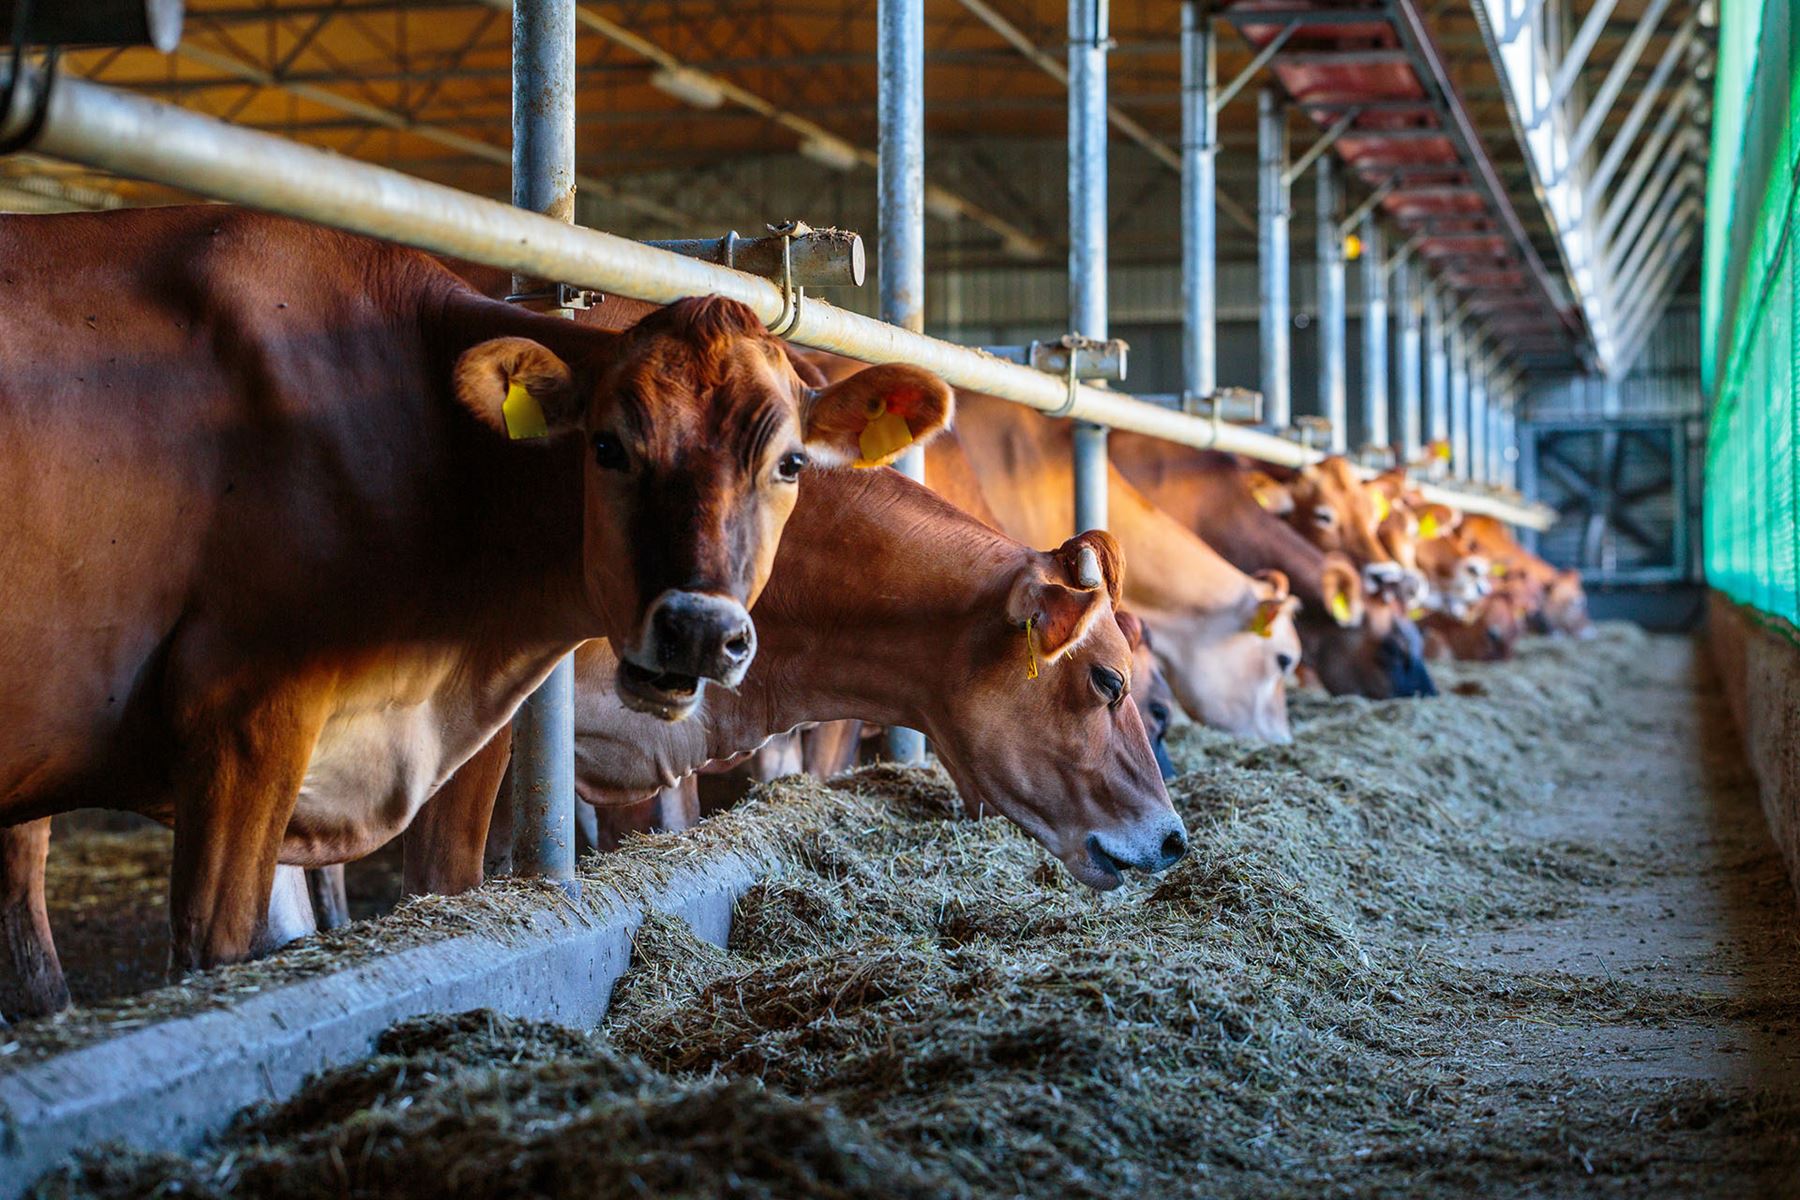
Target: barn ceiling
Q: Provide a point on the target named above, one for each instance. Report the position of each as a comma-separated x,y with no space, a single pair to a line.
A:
677,97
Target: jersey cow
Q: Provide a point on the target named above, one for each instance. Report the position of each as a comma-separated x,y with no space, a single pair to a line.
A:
1355,642
275,568
889,605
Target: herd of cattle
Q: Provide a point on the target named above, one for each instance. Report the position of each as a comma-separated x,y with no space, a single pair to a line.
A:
299,519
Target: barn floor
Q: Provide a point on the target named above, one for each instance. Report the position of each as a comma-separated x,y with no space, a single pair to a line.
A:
1530,939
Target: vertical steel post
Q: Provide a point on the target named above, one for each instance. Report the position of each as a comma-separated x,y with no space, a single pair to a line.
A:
1478,410
1375,334
1437,375
1495,451
1328,251
543,88
1459,401
900,184
1087,232
1504,469
1406,295
1272,213
1199,206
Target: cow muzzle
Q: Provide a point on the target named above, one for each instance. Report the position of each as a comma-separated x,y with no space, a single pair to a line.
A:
1103,858
687,639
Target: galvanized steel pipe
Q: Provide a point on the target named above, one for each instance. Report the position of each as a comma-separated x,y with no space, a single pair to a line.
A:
543,772
1087,232
1406,295
900,60
1334,362
1199,206
1272,213
1374,334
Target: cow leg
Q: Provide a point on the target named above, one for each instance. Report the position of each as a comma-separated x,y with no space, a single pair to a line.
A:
678,807
587,827
330,901
290,913
32,983
832,747
241,775
444,846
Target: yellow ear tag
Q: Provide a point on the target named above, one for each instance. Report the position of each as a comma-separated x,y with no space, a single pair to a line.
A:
1428,527
1415,614
1442,450
1262,622
1262,500
885,436
1340,608
1382,508
1031,655
1497,569
524,415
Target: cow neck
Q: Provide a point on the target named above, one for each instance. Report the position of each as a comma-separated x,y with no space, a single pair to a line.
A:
880,595
527,550
1258,540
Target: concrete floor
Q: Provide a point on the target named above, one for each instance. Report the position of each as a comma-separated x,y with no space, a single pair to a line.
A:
1703,919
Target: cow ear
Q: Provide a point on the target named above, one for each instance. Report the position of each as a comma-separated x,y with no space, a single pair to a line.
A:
1054,615
1343,588
1270,493
1271,584
516,386
874,416
1435,520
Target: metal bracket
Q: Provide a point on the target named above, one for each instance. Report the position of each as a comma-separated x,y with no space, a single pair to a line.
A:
563,295
812,257
1093,358
1237,405
1313,432
793,297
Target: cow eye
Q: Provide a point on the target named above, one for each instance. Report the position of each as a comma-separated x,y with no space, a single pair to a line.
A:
790,466
609,453
1110,684
1159,712
1285,661
1324,517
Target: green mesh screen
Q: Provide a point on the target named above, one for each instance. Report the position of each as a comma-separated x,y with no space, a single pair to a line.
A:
1750,323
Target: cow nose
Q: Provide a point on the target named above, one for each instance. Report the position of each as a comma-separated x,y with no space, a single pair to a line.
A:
1147,850
702,635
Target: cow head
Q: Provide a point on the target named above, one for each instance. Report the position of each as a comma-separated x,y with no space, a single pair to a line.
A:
1566,606
695,429
1150,690
1235,677
1487,634
1334,510
1364,644
1041,727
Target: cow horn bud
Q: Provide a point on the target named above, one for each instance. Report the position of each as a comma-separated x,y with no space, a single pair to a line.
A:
1087,569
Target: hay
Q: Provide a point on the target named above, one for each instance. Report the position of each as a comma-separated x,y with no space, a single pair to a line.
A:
922,1003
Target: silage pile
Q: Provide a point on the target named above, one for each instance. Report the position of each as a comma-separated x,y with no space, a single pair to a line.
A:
924,1004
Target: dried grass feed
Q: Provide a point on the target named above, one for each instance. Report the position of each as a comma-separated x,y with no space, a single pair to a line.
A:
1369,977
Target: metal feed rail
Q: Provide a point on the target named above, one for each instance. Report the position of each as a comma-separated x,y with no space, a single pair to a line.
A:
144,139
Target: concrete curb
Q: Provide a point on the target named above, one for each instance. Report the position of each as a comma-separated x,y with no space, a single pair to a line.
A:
168,1086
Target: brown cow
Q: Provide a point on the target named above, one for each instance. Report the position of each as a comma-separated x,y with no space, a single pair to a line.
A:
1553,598
276,570
1008,659
1355,643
